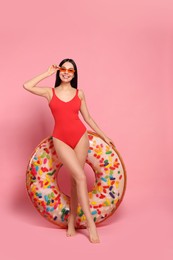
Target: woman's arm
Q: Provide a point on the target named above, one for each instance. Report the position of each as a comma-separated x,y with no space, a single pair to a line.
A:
89,120
30,85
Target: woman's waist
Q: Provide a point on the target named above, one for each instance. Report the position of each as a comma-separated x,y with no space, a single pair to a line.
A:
66,118
71,124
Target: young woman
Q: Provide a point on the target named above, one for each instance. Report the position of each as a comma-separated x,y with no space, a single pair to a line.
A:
70,136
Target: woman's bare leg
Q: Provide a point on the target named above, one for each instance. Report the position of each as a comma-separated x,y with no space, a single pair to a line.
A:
84,146
69,158
73,209
81,151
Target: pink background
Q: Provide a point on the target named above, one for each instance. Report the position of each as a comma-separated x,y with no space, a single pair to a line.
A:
124,56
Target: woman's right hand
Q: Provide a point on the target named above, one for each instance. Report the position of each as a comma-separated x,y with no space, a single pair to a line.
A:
52,69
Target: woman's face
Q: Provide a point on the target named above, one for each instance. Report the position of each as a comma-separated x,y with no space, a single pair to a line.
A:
67,74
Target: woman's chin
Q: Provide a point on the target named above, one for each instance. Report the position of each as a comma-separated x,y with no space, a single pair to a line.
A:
66,80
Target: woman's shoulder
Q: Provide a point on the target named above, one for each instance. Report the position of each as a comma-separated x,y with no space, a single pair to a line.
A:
81,93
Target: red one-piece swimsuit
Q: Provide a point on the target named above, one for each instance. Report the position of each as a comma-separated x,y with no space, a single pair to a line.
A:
68,126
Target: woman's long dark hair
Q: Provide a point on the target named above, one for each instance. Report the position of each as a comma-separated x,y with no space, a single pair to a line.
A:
73,82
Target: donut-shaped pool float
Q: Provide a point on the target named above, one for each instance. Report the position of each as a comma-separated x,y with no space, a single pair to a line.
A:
54,205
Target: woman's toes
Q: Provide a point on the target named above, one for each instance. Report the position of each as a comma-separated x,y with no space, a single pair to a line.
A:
70,232
93,235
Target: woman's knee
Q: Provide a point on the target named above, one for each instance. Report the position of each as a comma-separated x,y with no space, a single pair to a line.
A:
80,178
73,183
77,179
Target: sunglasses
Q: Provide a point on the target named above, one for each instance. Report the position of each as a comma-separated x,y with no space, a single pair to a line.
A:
68,70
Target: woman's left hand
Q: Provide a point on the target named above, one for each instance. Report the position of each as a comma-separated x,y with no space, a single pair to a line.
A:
109,141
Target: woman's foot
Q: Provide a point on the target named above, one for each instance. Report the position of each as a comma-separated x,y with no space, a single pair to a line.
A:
71,226
93,235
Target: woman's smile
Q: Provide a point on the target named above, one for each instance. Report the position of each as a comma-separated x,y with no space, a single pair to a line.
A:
65,76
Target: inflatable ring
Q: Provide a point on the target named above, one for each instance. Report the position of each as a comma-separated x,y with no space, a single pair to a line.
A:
51,203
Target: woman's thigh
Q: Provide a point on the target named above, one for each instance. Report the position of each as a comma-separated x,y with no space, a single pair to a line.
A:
69,159
81,149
